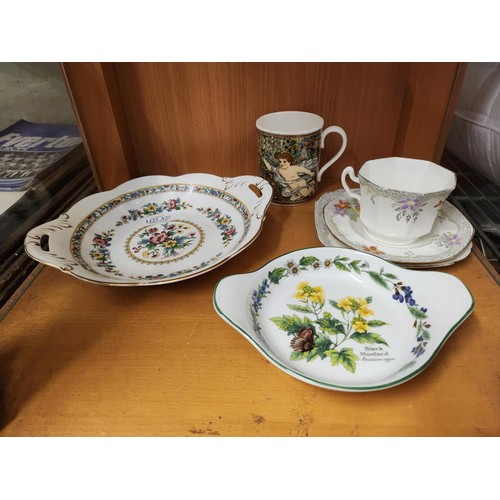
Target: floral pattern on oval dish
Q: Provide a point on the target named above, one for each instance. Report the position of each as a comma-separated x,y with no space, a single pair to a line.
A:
102,255
159,244
153,209
100,252
325,328
223,223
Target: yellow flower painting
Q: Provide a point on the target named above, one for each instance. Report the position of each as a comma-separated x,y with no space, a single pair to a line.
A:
321,332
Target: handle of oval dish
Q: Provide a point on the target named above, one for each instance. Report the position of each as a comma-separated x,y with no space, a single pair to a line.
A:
349,171
258,196
33,244
329,130
263,192
227,301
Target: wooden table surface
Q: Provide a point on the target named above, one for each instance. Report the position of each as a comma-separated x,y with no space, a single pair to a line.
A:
78,359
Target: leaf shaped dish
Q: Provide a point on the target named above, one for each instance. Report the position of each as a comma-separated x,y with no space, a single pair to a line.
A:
343,319
155,229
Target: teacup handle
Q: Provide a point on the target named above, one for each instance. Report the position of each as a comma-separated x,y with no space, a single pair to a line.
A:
349,171
328,130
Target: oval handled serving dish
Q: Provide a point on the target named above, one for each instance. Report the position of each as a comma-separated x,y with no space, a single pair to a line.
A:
342,319
155,229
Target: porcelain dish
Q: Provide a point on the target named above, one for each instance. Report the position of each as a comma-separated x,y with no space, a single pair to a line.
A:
449,239
155,229
342,319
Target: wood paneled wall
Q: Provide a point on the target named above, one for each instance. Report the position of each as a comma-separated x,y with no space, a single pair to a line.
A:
173,118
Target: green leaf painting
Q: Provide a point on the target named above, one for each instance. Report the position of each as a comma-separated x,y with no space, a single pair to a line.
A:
379,279
276,274
368,338
308,261
291,324
345,357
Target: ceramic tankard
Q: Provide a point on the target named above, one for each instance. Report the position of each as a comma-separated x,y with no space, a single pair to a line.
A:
399,197
289,146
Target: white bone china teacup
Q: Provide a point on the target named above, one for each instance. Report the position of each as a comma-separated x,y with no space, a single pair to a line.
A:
399,197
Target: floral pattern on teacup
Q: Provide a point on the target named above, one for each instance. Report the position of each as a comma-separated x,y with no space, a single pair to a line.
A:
408,209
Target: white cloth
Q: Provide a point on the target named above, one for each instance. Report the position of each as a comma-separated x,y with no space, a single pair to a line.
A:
475,131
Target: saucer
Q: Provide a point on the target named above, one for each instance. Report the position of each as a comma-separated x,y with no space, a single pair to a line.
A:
448,240
329,240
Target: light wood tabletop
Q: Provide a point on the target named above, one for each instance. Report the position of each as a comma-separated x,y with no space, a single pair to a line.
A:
79,359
